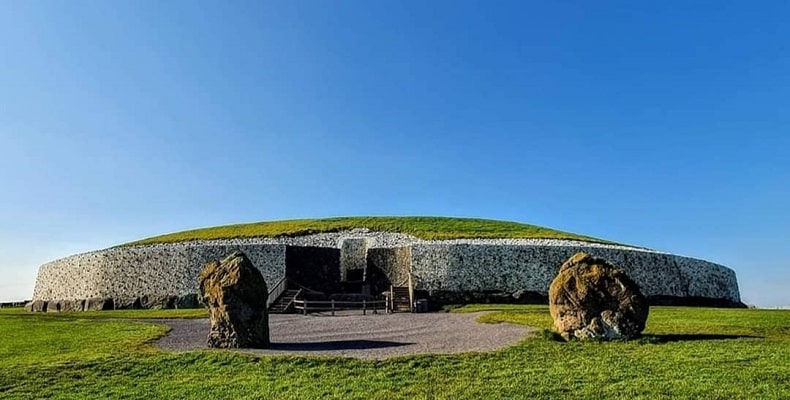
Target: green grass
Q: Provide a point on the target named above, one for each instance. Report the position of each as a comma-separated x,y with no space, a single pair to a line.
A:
689,353
430,228
111,314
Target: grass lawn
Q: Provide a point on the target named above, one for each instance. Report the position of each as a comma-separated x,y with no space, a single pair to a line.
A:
687,353
114,314
422,227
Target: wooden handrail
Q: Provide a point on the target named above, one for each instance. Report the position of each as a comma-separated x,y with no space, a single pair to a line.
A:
293,301
277,291
306,289
405,281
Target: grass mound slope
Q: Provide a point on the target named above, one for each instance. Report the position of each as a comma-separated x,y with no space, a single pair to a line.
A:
429,228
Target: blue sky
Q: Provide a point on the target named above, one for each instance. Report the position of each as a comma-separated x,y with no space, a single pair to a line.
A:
661,124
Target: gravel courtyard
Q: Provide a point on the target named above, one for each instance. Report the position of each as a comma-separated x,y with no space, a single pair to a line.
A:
376,336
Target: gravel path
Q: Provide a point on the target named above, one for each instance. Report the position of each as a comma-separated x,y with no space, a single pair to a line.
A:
370,337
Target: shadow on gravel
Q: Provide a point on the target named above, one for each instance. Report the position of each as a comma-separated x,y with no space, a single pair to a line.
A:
693,337
336,345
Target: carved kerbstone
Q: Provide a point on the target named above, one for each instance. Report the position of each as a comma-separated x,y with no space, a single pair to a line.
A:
592,299
99,304
36,306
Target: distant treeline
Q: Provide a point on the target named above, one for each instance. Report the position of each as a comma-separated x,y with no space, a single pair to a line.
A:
9,304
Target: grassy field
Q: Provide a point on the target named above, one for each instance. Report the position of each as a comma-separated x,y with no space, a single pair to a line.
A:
687,353
421,227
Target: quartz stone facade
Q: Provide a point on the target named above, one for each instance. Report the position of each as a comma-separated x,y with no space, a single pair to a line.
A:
451,266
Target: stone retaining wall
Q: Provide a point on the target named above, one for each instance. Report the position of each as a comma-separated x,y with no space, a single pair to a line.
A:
509,268
459,266
133,272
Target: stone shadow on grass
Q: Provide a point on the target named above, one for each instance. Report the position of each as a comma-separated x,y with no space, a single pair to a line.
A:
335,345
693,337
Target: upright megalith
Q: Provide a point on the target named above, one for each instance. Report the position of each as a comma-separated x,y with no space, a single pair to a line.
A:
593,299
235,293
353,257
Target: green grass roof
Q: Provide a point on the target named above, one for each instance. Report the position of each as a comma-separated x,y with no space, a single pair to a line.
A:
430,228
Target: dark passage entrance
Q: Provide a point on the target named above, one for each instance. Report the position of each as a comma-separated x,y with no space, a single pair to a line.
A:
317,268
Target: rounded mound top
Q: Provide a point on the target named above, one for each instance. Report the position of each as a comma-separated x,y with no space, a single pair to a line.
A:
427,228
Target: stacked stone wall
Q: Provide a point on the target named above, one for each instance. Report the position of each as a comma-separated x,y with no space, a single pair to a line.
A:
470,268
133,272
459,266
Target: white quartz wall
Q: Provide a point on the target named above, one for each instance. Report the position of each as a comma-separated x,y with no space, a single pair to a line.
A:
457,265
130,272
470,267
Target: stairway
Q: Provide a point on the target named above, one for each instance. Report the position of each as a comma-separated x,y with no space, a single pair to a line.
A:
401,300
283,303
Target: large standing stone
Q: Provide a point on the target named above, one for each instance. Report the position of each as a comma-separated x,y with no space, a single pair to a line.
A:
592,299
235,293
387,266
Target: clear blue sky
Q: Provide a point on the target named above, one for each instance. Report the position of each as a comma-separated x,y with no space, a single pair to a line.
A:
661,124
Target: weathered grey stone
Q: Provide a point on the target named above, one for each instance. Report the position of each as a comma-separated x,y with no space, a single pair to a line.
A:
388,266
36,306
353,255
71,305
235,293
188,301
53,306
99,304
592,299
157,302
127,303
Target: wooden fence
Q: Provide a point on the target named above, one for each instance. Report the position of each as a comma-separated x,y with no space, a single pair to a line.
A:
306,306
